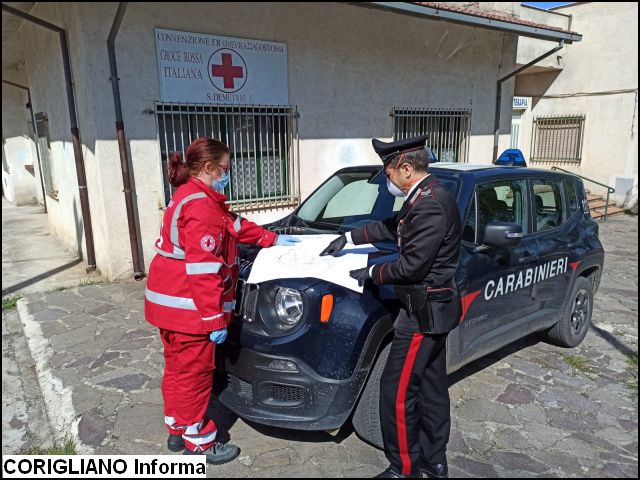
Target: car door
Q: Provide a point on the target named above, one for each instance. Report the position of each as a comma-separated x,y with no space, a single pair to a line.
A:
496,295
556,235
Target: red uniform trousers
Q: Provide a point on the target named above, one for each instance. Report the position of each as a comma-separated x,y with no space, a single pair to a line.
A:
186,387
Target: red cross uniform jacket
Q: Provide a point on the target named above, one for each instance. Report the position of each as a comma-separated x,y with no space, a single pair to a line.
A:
192,279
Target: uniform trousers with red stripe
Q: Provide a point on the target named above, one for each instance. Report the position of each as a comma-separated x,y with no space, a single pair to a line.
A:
186,387
414,401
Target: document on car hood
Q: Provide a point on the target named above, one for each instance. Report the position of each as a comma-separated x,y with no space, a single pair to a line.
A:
303,260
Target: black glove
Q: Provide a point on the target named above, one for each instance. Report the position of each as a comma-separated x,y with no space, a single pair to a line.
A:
361,275
335,246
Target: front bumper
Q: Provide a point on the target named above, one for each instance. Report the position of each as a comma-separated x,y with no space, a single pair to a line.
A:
299,400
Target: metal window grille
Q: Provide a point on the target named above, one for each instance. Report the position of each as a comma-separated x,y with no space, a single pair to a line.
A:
44,147
448,130
557,138
263,144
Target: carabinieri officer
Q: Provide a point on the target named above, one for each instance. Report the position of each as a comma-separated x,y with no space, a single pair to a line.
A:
414,396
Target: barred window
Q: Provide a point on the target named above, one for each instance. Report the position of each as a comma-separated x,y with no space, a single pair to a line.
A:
263,144
557,138
448,130
44,149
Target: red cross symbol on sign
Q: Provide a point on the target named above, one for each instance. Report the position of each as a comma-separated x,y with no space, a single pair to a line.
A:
227,71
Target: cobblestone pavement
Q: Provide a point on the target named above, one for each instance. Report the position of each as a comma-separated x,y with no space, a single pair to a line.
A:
530,409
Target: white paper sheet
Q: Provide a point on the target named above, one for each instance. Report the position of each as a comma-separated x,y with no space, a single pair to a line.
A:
303,260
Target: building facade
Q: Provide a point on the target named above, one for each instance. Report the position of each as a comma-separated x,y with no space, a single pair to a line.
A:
582,105
326,79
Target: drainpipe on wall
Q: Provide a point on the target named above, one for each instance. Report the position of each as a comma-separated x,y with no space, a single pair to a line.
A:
75,132
127,174
496,125
33,119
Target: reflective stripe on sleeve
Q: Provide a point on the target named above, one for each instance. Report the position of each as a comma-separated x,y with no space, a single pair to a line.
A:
203,267
176,215
237,224
170,301
207,319
177,255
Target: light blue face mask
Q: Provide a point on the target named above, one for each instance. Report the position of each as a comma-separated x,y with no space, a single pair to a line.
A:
218,185
393,189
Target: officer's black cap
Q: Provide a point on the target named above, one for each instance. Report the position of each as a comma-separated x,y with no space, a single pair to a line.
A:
388,151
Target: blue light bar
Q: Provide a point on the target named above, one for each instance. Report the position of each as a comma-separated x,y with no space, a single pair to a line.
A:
511,157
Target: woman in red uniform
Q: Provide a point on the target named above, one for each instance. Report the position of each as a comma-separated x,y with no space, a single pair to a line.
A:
191,287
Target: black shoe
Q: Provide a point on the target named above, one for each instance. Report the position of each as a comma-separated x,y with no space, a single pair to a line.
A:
435,470
218,453
391,473
175,443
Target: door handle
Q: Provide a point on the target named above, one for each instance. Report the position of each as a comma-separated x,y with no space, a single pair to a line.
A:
532,258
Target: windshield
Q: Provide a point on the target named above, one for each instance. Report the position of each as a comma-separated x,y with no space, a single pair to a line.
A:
352,199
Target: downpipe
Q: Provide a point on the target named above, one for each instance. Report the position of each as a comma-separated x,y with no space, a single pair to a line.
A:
496,125
127,174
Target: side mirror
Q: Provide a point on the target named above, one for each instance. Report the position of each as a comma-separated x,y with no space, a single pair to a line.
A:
502,234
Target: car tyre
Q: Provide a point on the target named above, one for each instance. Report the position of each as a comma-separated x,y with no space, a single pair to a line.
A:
576,317
366,418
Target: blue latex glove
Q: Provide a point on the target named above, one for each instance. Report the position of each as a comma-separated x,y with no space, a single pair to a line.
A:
218,336
286,240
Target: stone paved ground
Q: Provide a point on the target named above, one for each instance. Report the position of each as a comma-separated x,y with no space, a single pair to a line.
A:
33,259
530,409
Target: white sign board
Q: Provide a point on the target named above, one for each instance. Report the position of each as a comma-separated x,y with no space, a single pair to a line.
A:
520,103
200,68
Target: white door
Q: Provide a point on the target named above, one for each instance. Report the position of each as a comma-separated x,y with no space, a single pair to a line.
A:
516,119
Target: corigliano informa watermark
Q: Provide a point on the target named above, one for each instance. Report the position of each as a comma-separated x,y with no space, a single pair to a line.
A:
103,466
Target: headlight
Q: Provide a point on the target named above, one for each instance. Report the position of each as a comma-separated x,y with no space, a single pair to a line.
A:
289,307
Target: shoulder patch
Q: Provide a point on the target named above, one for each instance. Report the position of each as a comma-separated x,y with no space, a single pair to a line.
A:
208,243
415,196
427,193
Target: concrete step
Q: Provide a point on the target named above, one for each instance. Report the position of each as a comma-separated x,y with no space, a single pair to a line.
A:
599,204
611,211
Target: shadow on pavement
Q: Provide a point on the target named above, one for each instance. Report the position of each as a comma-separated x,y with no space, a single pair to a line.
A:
37,278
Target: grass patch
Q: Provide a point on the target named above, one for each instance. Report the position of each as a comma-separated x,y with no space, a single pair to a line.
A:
632,367
10,303
576,362
69,448
632,361
89,281
633,386
82,283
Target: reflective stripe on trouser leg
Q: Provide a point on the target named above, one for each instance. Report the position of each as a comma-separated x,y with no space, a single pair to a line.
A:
192,357
399,389
400,403
435,414
200,436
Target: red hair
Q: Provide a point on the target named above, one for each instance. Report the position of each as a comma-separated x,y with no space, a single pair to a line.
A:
199,153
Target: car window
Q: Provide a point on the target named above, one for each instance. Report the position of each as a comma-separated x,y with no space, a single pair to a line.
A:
469,229
549,207
354,199
503,201
397,205
572,195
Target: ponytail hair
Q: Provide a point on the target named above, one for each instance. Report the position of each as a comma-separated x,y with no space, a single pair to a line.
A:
199,153
178,171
